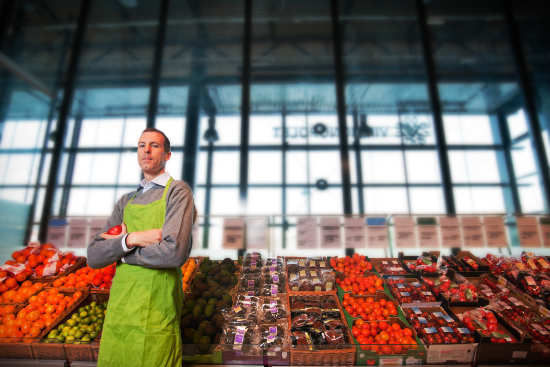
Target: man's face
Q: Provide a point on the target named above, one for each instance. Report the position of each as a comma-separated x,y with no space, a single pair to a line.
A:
151,156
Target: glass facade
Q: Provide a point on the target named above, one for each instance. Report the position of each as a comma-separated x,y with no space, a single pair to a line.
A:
277,152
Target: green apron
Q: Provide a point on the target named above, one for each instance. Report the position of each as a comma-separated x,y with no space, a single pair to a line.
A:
142,324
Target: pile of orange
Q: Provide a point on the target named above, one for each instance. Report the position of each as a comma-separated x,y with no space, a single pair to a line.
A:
351,265
86,277
34,260
368,308
383,337
360,285
187,271
21,294
40,313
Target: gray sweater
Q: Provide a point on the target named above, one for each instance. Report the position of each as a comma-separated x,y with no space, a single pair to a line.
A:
176,242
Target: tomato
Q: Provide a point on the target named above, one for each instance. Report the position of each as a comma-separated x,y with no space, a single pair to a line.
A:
116,230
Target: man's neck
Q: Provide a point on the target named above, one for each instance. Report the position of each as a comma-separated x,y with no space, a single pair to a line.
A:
151,177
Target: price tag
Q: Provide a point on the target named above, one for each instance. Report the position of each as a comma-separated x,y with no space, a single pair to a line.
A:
472,229
330,232
233,233
256,233
307,236
422,320
57,229
450,232
528,231
404,232
377,232
427,232
447,329
495,231
545,230
78,227
463,330
430,330
354,229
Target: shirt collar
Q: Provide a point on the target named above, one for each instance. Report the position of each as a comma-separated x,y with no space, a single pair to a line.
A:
161,180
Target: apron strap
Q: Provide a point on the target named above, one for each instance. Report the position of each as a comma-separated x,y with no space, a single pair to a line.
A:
166,188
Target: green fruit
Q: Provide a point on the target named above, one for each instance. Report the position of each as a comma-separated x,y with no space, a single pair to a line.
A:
52,334
60,339
78,334
85,339
83,314
71,322
69,339
93,303
93,335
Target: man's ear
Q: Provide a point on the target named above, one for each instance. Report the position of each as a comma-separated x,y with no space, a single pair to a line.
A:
167,156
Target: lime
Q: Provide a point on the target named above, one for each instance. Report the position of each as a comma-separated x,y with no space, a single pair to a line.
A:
69,339
83,314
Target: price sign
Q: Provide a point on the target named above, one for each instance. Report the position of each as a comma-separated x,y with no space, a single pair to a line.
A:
330,232
354,230
233,233
450,232
427,232
495,231
57,230
404,232
545,230
307,233
256,233
377,232
473,232
528,231
97,226
77,232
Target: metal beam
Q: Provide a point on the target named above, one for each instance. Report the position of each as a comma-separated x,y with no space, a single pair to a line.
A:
157,64
358,163
64,112
436,109
70,166
208,190
245,106
528,91
341,108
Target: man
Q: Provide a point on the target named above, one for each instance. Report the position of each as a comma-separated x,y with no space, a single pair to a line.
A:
142,324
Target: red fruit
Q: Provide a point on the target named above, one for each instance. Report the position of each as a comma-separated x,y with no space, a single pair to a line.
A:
116,230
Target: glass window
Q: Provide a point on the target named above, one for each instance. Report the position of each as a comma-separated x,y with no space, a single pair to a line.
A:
474,166
479,200
96,168
388,200
225,201
173,128
225,167
426,200
530,194
383,167
264,167
468,129
422,167
517,124
101,133
264,201
265,129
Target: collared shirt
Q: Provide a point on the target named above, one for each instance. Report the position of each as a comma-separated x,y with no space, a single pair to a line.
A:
161,180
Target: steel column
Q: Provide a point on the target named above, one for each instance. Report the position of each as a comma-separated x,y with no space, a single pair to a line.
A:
64,112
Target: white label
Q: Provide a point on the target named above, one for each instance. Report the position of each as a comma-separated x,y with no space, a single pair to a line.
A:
404,232
377,235
528,231
354,229
78,227
330,232
307,236
97,226
450,232
233,233
427,235
256,233
473,233
495,231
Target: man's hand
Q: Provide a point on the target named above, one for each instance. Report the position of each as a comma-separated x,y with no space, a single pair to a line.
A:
144,238
111,236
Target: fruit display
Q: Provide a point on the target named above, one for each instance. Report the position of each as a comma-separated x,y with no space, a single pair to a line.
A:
39,314
425,265
313,324
351,265
21,294
390,267
187,271
485,322
457,290
310,275
81,327
87,277
407,290
369,308
360,284
435,326
209,294
35,261
383,337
